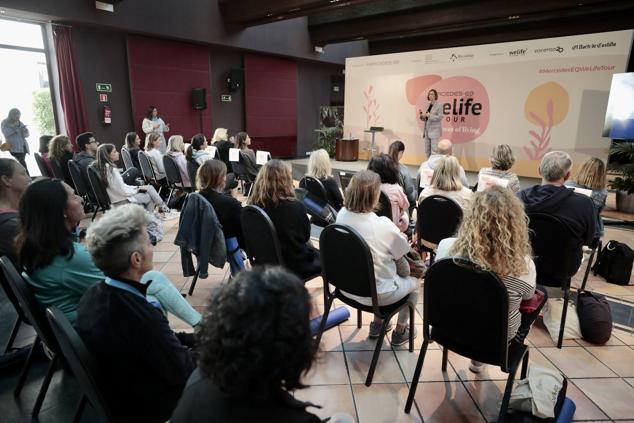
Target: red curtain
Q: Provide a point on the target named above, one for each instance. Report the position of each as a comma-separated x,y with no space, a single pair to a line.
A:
71,90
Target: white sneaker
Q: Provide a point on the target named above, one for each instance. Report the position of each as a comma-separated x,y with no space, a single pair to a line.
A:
476,366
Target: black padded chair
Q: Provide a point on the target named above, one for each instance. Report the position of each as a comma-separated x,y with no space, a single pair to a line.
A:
192,169
57,169
35,314
474,326
317,192
127,159
173,175
353,273
262,244
344,179
21,318
148,171
438,218
41,165
98,190
78,180
82,364
242,175
385,206
554,250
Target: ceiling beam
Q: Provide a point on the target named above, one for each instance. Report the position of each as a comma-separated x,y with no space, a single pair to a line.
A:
257,12
454,18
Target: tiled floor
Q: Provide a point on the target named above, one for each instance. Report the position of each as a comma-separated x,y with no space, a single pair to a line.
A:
602,377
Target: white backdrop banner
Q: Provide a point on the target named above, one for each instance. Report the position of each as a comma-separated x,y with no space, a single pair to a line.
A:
536,96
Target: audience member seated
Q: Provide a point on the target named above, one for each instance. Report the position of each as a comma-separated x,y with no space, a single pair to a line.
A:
502,160
45,141
576,211
592,177
196,150
446,182
247,156
494,236
387,245
57,267
143,364
220,134
319,167
249,367
387,169
445,148
133,145
223,144
61,150
13,182
396,150
210,181
176,149
273,191
117,189
153,151
87,145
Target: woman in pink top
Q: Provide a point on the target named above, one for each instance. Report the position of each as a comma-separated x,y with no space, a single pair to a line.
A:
388,170
176,149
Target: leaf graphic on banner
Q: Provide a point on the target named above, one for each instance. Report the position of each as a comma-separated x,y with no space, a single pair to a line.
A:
535,135
549,112
538,119
370,89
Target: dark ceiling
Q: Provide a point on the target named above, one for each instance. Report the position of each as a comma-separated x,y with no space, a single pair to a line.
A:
402,25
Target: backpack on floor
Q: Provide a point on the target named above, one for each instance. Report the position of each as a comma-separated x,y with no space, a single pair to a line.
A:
595,317
561,410
615,263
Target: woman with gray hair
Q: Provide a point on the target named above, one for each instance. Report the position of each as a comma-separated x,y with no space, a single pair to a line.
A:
502,159
144,364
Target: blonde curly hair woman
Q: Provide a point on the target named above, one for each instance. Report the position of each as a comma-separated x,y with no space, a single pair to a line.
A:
494,235
319,167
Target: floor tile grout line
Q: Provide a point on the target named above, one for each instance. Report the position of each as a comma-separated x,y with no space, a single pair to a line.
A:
345,360
601,361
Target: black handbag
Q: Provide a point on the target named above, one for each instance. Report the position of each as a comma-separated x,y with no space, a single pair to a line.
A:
595,317
615,263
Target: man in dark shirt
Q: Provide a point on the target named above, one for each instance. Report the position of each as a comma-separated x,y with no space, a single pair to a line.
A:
143,364
87,145
576,211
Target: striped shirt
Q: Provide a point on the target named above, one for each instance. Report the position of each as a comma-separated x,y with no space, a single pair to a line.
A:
519,288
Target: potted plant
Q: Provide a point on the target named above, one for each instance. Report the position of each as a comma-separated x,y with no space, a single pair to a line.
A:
327,139
622,163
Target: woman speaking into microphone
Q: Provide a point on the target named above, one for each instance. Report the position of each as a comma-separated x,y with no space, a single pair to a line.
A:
433,124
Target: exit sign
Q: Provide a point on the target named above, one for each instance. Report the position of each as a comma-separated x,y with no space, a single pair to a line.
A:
104,88
225,98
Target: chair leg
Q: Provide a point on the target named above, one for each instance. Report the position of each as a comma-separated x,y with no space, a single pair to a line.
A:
417,371
587,272
359,319
432,257
412,328
445,356
47,381
507,393
524,365
169,197
324,318
563,318
95,213
377,351
80,409
14,333
27,366
193,284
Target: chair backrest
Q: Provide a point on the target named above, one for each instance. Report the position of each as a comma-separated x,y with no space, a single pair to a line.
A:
240,169
41,165
438,218
80,361
344,179
553,248
352,272
127,159
78,180
467,310
8,291
172,172
260,236
192,169
314,186
385,206
29,304
146,167
57,169
98,187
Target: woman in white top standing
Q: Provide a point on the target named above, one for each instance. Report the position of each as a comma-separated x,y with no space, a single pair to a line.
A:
117,189
152,149
153,124
494,236
446,182
387,244
176,150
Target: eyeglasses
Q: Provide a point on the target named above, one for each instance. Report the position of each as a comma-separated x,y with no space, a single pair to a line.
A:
93,141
